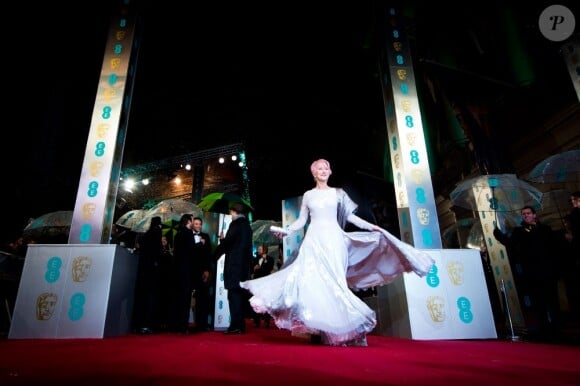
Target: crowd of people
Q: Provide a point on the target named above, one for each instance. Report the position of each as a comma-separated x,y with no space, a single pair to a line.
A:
173,282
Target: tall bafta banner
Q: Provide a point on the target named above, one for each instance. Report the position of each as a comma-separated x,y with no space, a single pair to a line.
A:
418,220
84,289
96,195
416,206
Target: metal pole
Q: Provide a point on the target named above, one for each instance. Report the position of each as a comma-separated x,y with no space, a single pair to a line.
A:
514,337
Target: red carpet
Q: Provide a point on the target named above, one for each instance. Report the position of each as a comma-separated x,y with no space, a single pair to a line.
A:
274,357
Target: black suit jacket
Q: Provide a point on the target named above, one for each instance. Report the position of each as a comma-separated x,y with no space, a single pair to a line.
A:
202,255
237,246
265,269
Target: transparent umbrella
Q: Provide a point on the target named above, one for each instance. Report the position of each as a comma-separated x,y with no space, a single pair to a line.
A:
561,167
262,234
131,218
555,205
49,224
496,193
454,236
170,209
475,236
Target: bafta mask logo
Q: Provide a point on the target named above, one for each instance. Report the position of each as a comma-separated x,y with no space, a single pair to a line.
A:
402,202
417,176
411,139
89,210
109,94
436,307
95,168
402,74
115,63
103,130
81,266
455,270
423,216
45,305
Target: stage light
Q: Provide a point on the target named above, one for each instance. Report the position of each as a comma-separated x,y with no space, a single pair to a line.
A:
234,157
129,184
221,160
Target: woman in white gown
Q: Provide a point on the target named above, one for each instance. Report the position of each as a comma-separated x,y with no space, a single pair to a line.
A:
312,295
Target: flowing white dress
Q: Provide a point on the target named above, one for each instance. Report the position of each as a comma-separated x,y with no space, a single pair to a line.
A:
311,295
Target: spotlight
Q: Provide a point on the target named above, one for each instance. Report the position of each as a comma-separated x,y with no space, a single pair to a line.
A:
221,160
129,184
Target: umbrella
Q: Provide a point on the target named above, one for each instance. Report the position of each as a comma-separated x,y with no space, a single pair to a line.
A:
131,218
170,209
502,192
261,232
220,202
454,235
555,205
497,193
50,224
475,236
562,167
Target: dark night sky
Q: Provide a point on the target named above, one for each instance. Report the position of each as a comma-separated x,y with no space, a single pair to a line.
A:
294,81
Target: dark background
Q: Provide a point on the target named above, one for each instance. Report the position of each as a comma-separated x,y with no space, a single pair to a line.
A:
293,81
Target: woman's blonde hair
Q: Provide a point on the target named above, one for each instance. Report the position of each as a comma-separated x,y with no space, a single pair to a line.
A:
319,161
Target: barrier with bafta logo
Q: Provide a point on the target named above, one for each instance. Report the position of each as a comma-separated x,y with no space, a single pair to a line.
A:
450,302
75,291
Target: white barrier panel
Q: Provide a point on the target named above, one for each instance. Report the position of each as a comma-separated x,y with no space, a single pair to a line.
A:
75,291
222,309
451,302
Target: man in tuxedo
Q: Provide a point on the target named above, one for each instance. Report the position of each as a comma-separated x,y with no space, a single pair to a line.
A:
237,247
192,255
